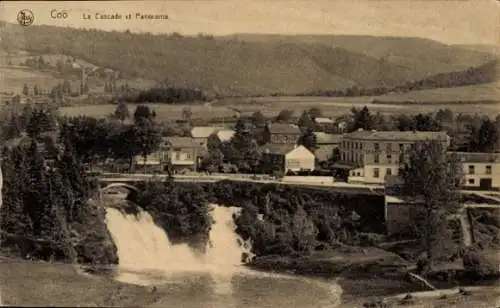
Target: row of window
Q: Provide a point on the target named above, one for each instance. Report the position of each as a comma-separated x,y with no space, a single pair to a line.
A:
376,146
472,169
376,172
354,157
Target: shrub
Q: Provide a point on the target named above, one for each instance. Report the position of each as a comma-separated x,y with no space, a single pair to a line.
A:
481,264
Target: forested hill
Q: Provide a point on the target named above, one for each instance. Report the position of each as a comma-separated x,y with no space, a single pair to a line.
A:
246,66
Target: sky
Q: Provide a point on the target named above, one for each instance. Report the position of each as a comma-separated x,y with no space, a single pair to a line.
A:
449,21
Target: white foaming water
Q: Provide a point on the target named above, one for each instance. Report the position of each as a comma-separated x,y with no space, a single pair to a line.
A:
147,257
144,248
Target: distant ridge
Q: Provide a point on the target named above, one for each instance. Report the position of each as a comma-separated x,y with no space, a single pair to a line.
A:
250,64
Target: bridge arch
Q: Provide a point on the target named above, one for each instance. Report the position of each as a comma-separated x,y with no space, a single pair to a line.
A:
129,187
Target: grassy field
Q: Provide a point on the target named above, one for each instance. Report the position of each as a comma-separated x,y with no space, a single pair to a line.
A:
47,285
331,107
485,92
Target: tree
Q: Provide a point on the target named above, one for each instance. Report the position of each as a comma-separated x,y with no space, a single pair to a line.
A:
143,113
186,114
426,123
431,179
306,122
148,138
41,120
121,112
258,119
308,139
66,87
315,112
444,115
242,150
361,119
26,90
484,139
284,116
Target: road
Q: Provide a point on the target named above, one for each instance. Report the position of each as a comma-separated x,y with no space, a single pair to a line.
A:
313,182
261,178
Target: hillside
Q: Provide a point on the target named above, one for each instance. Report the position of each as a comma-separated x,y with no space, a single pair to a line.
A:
250,65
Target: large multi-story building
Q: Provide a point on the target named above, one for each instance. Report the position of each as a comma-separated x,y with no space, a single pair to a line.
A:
374,154
279,133
481,170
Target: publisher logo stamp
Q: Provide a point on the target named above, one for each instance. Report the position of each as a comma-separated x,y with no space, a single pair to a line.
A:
25,17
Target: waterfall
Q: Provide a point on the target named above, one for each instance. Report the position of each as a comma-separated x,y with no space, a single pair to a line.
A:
146,256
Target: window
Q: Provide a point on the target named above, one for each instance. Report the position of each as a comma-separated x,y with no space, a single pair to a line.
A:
360,146
362,158
188,155
401,147
376,146
471,181
343,155
389,159
376,172
177,156
471,169
376,159
293,164
488,169
389,148
388,171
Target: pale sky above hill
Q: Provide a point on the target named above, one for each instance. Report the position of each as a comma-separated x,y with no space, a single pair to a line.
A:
452,22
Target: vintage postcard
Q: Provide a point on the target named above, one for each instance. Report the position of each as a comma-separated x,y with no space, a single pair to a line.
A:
218,153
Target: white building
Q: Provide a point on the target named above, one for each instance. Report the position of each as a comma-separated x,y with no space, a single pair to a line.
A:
373,155
288,157
481,170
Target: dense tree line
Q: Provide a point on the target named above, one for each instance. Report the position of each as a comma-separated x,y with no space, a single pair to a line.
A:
300,224
46,213
485,73
168,95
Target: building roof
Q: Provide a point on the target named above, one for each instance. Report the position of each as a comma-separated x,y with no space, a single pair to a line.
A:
225,134
280,128
470,157
324,152
324,138
396,135
279,149
204,131
324,121
184,142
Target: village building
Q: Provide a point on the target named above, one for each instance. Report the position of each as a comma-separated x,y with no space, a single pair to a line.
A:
184,153
224,135
201,133
288,157
324,124
373,155
280,133
325,144
481,170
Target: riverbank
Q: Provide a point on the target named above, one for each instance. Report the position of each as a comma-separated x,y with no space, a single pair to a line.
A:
369,274
29,283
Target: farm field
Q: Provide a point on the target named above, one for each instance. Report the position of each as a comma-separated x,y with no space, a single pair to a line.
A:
165,112
331,107
481,92
12,79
